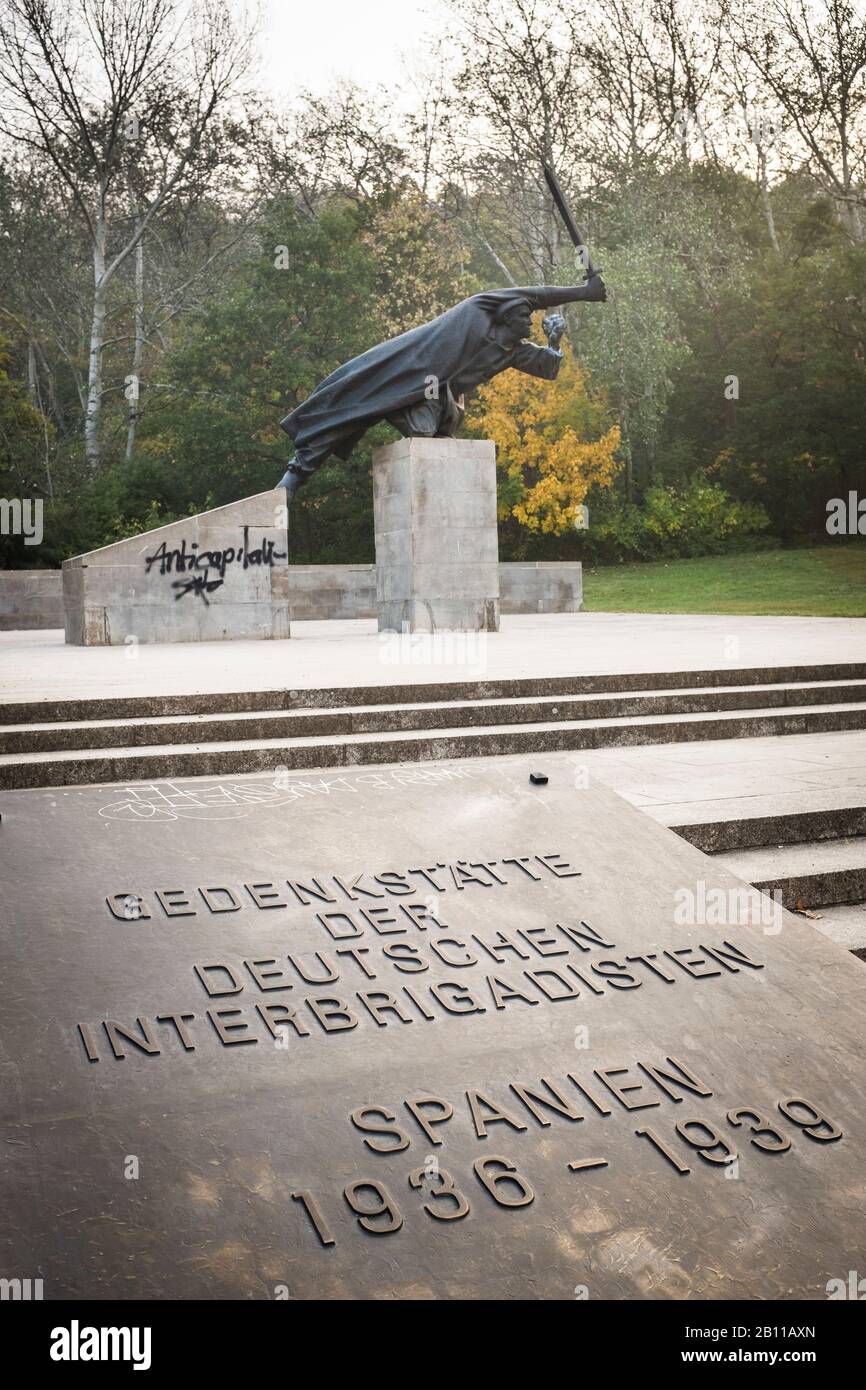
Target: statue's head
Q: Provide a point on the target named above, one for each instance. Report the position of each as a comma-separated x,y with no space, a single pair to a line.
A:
516,317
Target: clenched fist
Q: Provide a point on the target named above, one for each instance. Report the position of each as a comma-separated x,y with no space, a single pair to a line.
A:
554,327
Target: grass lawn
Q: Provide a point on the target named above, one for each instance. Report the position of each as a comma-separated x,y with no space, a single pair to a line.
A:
827,581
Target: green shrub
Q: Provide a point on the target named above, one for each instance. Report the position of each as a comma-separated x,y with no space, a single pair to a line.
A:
674,523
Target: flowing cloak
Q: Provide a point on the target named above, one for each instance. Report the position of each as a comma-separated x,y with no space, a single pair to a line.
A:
397,373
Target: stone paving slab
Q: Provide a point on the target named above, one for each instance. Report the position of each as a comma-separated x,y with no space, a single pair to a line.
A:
713,810
787,861
573,1028
727,778
36,665
844,923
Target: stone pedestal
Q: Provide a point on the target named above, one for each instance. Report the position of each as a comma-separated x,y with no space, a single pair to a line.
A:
221,574
437,554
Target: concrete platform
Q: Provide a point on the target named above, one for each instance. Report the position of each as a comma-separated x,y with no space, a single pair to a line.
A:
37,666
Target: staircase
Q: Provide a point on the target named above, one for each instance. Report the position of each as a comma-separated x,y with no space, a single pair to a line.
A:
813,862
50,744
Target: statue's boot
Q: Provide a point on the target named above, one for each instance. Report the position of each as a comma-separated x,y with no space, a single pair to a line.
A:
292,479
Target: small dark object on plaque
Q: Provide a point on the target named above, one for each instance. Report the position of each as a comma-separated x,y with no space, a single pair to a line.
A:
539,778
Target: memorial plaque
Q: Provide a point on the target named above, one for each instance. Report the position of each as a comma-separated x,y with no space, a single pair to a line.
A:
427,1031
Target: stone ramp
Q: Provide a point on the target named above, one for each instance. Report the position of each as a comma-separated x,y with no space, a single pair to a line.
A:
221,574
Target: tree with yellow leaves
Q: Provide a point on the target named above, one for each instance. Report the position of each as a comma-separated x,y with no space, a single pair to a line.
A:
554,442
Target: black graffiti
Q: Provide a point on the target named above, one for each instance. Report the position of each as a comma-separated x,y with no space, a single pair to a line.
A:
188,559
199,584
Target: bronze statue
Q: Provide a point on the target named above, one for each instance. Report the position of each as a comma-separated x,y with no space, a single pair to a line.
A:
418,381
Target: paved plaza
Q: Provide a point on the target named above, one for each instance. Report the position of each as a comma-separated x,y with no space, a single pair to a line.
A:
38,666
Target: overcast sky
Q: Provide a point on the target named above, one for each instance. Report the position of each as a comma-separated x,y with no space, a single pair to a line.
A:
312,43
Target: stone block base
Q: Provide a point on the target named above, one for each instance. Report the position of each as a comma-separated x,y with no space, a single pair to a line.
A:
219,575
437,552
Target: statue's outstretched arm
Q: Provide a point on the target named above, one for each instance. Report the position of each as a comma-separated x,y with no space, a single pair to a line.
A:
547,296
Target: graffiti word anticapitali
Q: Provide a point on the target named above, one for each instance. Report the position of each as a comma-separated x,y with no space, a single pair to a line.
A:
198,564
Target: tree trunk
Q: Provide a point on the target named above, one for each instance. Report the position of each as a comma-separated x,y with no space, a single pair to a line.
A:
624,416
855,221
36,399
767,205
138,348
32,380
93,410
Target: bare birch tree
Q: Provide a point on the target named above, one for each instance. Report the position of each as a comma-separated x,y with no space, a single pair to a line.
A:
85,85
811,55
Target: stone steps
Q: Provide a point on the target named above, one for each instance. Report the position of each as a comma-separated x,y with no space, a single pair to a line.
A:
787,828
813,874
424,691
537,710
808,860
68,766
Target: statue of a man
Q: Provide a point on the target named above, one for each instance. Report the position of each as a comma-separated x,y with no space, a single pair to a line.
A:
418,381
